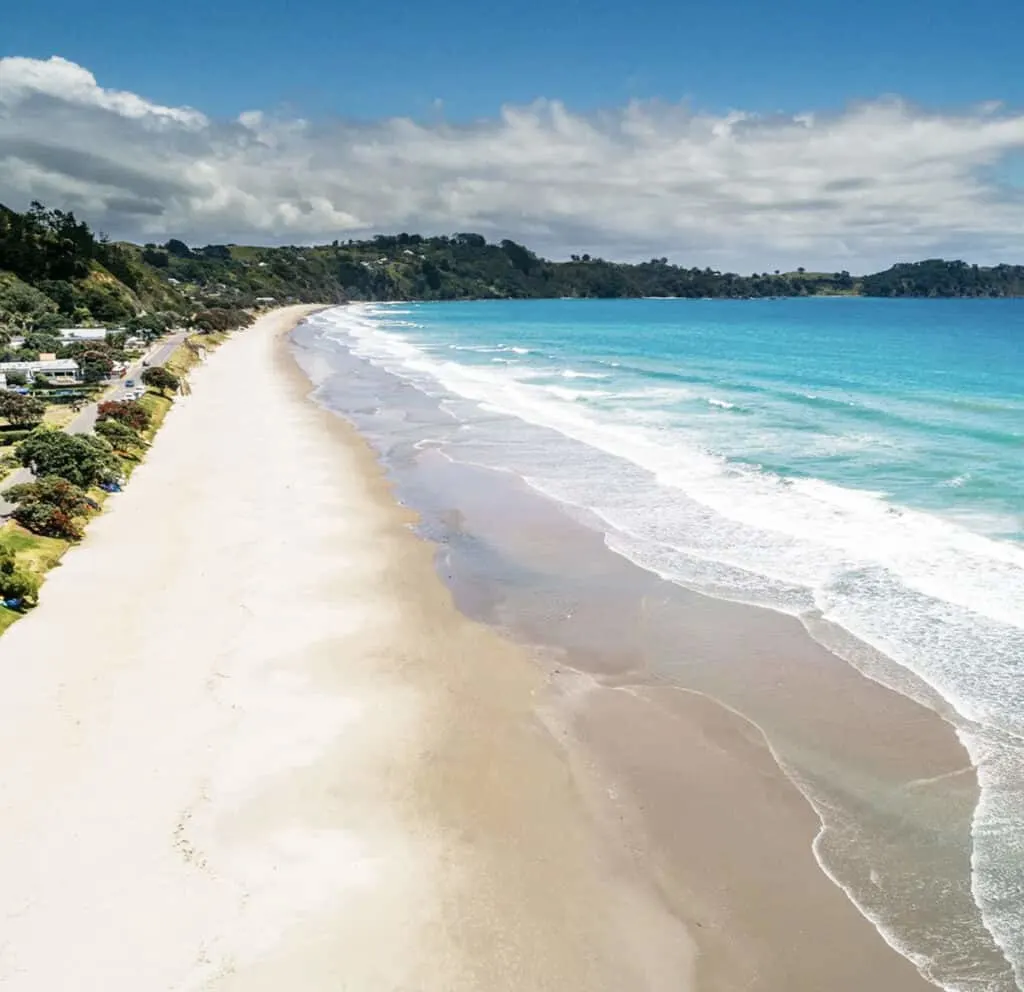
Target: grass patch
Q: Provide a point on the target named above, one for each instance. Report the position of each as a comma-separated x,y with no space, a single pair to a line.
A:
37,553
7,617
59,416
156,406
189,353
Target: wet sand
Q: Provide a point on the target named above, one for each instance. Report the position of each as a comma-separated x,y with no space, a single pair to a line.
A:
688,774
689,785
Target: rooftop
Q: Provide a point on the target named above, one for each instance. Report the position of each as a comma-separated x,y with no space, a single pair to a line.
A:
54,365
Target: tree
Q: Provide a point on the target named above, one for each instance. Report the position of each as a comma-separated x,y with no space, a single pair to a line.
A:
81,459
126,411
19,410
96,366
520,257
158,259
157,377
21,305
178,248
50,506
17,379
221,319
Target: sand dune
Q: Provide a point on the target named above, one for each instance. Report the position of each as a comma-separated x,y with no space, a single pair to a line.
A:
247,744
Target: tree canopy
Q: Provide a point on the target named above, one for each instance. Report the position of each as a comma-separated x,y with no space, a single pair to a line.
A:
50,505
63,269
127,412
160,378
19,410
83,460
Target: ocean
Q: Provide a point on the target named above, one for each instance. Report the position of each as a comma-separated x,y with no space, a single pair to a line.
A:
857,464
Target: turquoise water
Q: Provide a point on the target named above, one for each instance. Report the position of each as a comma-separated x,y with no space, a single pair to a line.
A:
847,460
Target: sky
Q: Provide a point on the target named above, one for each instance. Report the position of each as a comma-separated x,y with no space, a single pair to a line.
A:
738,134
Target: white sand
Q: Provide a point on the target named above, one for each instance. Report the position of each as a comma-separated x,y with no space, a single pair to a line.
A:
222,764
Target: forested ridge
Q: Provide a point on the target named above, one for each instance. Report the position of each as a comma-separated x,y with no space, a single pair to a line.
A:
54,270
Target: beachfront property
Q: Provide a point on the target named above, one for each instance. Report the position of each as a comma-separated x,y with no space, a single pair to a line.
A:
54,369
265,301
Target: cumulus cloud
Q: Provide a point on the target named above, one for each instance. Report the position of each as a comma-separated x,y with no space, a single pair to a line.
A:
878,182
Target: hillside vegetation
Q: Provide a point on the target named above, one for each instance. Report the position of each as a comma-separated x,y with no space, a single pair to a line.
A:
54,271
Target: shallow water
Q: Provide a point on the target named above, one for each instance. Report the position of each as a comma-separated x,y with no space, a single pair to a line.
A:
852,463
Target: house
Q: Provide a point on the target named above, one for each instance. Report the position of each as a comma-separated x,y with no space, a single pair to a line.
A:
265,300
3,380
56,370
83,334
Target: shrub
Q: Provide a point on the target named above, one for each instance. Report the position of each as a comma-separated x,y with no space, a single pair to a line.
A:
127,412
15,582
120,435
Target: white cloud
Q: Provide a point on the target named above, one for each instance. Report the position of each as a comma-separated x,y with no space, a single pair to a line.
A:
878,182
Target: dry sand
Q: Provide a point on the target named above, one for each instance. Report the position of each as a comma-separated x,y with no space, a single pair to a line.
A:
246,743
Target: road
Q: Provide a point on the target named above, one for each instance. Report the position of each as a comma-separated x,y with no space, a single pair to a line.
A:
85,420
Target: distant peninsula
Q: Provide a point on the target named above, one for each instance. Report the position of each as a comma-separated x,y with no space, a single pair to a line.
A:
54,270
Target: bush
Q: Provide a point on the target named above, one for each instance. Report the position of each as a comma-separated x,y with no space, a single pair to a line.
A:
50,506
15,582
127,412
81,459
13,437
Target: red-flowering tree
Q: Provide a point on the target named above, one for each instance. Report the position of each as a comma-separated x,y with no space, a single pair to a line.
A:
127,411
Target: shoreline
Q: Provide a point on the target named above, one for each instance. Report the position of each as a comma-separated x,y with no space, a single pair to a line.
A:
273,752
840,947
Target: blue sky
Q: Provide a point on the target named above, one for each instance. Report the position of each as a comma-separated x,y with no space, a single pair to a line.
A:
742,135
367,60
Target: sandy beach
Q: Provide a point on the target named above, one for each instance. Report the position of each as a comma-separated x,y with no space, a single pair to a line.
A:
250,744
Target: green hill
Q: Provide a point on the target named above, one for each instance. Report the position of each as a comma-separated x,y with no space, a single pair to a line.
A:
54,270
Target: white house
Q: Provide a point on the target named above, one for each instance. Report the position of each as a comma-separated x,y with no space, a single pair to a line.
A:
83,334
56,369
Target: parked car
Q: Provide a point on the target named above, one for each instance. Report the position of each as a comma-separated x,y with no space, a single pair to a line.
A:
130,383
